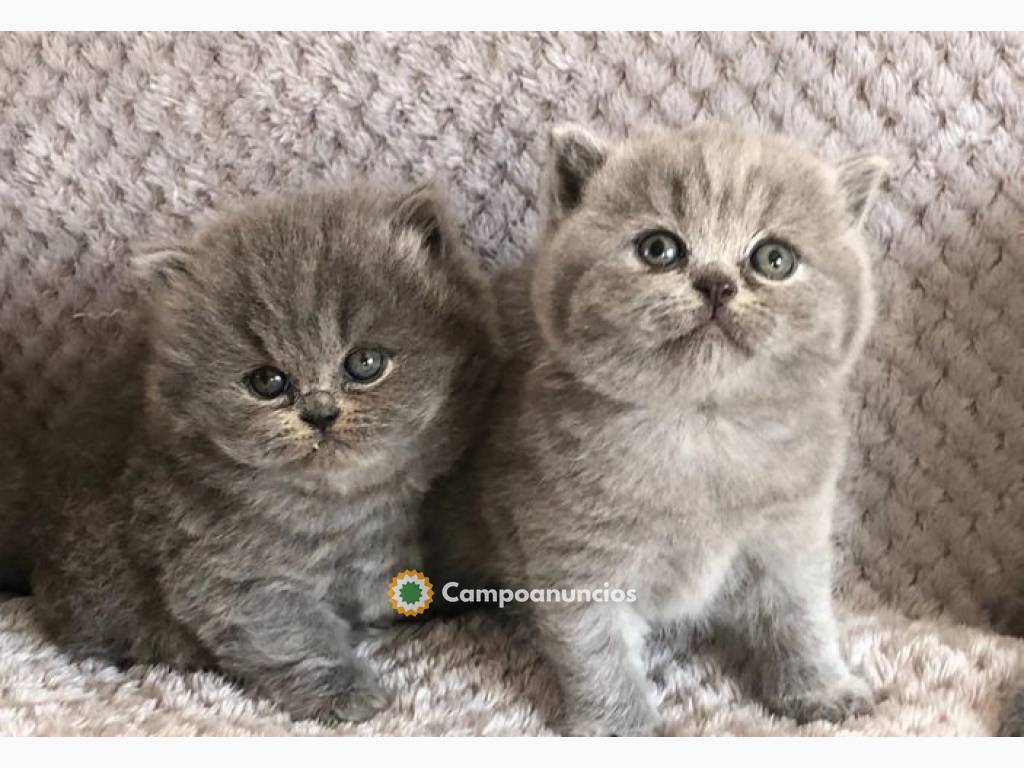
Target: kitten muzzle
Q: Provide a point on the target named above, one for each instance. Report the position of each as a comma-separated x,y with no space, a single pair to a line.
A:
319,410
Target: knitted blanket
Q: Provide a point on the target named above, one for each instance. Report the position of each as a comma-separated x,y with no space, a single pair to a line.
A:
107,141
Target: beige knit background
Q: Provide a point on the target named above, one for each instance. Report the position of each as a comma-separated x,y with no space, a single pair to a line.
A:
107,141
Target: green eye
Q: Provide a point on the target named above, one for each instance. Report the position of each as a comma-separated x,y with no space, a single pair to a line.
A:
268,382
366,365
774,260
661,249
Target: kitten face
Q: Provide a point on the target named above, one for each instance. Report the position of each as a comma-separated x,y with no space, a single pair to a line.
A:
681,262
315,332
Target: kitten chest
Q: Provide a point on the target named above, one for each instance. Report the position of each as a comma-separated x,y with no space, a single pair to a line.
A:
712,469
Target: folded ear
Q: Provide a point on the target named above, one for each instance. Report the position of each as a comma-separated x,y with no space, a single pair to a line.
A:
162,264
424,210
859,179
574,156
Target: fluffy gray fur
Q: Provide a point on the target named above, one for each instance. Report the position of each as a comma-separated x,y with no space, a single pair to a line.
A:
1013,718
641,441
1009,619
172,516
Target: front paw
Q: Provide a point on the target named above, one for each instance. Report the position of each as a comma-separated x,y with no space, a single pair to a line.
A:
348,693
1013,717
850,697
637,720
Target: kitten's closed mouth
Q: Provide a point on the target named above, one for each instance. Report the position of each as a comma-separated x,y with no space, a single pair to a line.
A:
706,331
732,333
327,445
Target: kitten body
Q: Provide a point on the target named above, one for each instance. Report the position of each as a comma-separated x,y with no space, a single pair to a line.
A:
187,519
645,438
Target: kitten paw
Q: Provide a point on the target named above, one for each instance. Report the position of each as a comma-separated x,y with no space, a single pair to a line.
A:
849,698
638,722
353,694
358,704
1013,718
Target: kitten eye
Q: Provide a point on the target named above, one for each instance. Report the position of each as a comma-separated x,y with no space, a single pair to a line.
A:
366,365
661,249
774,260
268,382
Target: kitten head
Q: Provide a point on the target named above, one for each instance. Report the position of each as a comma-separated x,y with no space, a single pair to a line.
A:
320,331
702,261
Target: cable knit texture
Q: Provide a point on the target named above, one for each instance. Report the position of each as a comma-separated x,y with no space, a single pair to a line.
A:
109,141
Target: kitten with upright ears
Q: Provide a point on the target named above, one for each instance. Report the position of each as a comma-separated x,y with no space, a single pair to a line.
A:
239,491
670,421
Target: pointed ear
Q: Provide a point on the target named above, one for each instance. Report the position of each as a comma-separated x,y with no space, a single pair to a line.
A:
574,156
424,210
859,179
162,264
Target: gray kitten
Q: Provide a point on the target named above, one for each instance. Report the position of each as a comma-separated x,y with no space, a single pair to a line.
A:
241,489
671,419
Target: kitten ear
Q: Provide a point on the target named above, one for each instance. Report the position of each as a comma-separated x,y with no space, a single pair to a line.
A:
425,210
162,264
859,179
448,270
574,156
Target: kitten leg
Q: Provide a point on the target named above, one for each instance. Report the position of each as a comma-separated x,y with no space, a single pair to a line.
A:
595,650
785,611
281,642
1010,621
1013,716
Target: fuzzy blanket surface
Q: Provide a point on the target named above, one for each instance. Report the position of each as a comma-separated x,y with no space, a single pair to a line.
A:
108,141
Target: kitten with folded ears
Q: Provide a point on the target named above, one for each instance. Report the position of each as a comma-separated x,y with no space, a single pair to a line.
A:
239,491
670,421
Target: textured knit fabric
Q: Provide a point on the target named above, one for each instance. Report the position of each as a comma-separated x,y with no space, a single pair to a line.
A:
111,141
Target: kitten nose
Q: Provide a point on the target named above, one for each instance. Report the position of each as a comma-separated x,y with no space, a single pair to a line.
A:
716,287
319,410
